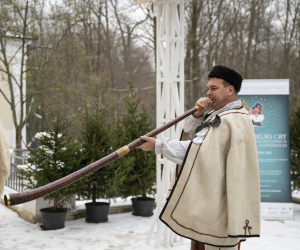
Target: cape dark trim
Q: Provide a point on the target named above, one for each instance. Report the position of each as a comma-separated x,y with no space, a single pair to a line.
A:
181,136
201,241
207,114
184,158
168,199
244,236
182,193
175,184
234,113
215,123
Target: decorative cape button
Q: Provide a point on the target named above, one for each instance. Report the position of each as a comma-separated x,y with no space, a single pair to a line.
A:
198,140
201,133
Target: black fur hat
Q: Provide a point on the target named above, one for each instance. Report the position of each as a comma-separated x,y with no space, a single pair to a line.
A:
227,74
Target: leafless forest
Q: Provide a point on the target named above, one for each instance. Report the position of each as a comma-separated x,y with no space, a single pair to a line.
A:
93,48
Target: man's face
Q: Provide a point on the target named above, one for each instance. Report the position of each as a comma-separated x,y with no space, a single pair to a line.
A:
219,95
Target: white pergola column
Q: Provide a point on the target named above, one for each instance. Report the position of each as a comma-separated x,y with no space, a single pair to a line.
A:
169,101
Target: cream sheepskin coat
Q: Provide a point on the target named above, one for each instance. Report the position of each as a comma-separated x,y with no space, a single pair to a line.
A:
215,198
4,159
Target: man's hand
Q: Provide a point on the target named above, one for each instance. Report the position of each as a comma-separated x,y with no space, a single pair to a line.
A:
149,144
205,103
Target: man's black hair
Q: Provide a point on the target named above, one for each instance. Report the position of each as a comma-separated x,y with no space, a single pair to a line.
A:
228,75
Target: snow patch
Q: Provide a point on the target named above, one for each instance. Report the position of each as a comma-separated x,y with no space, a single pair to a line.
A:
126,232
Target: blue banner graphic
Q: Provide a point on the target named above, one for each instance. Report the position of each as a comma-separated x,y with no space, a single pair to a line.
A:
267,102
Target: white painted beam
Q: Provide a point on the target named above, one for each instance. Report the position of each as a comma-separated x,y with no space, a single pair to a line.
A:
169,101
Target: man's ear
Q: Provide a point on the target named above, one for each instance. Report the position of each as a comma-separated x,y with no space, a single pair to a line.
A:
231,90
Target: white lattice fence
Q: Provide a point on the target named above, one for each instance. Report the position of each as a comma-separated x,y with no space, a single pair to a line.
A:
170,100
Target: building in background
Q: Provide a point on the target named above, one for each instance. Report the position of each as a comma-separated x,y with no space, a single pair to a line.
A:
13,53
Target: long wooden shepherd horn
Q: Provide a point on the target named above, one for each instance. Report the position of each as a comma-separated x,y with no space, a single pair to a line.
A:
19,198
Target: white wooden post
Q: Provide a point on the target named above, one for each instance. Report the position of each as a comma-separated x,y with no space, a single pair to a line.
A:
169,101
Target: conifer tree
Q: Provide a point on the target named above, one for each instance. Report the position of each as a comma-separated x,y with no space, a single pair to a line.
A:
56,157
295,148
96,139
139,164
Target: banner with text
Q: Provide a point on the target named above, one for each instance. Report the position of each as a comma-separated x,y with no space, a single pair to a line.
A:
267,102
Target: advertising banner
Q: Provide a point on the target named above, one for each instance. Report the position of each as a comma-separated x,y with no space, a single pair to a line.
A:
267,102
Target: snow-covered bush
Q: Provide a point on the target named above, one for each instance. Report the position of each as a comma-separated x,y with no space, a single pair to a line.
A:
56,157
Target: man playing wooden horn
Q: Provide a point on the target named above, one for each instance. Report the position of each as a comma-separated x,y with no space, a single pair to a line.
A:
214,197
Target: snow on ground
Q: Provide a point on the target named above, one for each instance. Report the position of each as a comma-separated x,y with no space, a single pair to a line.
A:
124,231
113,202
296,194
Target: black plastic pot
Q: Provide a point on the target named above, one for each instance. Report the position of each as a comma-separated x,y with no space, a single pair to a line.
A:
142,206
53,220
97,212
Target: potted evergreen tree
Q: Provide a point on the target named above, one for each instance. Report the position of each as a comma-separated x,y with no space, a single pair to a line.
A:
141,171
96,139
56,157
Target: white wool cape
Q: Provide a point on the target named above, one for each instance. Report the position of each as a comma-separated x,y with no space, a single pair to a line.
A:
215,198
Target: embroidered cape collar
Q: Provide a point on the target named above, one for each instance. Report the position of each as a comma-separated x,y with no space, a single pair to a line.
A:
232,105
213,118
